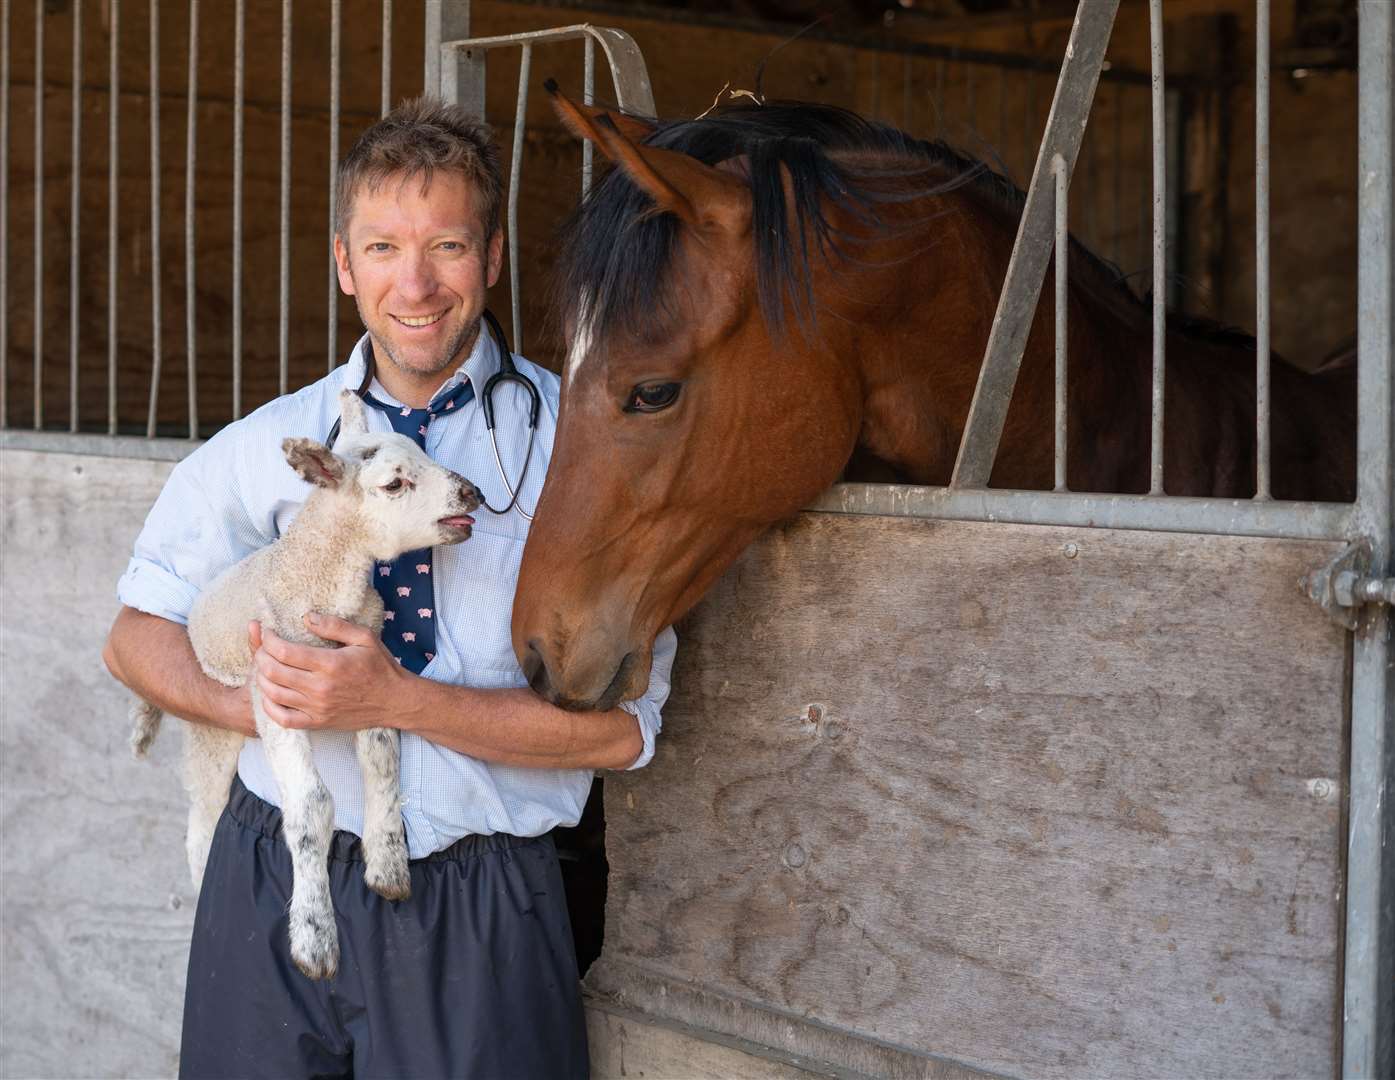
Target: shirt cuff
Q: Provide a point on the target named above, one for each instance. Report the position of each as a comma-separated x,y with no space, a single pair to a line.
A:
649,719
151,588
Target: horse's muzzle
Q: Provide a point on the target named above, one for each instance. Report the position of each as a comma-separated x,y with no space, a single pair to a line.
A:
580,698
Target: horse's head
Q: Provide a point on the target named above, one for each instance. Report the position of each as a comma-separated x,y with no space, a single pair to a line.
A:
688,422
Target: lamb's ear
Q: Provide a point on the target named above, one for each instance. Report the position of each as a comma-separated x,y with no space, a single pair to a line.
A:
316,463
352,420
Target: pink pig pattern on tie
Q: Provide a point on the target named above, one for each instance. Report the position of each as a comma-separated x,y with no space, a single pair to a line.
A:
409,631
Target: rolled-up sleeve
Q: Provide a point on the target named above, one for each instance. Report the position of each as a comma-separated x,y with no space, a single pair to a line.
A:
648,710
199,526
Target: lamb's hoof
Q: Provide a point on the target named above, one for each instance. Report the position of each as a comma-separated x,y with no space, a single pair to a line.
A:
315,946
389,877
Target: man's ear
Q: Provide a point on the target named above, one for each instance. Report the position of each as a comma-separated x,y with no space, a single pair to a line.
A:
352,420
699,195
341,266
495,257
314,462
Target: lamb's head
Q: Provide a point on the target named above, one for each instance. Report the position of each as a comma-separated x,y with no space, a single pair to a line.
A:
402,499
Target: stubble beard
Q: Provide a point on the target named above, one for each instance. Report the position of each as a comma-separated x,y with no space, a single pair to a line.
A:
464,337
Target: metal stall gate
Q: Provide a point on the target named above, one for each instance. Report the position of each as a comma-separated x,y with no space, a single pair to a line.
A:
960,781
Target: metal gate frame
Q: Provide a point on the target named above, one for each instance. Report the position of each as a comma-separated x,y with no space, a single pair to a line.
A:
1368,525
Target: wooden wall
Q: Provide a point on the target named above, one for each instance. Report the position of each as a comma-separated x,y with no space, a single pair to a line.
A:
933,791
994,116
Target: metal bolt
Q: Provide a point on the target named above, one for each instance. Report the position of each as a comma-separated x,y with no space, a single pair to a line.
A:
795,856
1071,551
1321,789
175,902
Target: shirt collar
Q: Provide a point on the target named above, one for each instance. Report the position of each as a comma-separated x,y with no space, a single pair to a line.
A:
482,362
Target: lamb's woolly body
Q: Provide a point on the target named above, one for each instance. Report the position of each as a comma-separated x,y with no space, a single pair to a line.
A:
382,498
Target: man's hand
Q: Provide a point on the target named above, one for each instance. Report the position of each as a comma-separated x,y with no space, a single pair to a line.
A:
308,686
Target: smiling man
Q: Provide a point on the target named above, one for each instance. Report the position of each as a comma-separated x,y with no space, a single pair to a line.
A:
473,975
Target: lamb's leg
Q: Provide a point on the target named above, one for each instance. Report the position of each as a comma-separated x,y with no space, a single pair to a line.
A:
384,845
210,762
307,813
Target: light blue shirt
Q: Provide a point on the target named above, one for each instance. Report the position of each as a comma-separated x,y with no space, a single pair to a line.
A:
236,493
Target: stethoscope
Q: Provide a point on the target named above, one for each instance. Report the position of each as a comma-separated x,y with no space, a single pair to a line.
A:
507,373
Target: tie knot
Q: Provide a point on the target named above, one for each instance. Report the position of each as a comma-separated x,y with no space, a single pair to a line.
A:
413,422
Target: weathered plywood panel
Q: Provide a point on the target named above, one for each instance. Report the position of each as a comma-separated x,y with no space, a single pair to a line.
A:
628,1044
953,789
96,900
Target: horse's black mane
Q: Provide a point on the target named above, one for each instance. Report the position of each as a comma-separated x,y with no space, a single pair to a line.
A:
616,253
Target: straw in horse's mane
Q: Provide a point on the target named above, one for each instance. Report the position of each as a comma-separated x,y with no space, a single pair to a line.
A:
617,251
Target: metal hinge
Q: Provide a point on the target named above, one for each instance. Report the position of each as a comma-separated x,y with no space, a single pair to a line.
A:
1346,583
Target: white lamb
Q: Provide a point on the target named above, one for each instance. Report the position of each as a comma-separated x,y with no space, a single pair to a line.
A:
374,498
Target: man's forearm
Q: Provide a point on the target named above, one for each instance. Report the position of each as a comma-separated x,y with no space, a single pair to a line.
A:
516,727
152,656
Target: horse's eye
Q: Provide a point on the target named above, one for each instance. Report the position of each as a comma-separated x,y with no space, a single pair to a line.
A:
651,397
393,486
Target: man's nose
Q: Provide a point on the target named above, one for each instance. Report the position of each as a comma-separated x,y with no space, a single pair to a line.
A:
416,281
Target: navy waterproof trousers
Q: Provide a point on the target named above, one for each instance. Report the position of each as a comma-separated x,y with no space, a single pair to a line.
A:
474,976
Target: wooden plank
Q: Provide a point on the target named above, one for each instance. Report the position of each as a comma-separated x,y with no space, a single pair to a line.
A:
949,787
624,1043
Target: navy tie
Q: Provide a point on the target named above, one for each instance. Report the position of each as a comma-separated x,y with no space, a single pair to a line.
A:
409,626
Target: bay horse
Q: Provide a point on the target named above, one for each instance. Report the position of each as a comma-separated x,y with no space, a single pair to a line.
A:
754,296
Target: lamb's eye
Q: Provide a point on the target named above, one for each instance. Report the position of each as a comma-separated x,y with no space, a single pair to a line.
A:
393,486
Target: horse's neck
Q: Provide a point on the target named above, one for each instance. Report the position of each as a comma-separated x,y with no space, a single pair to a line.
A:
920,363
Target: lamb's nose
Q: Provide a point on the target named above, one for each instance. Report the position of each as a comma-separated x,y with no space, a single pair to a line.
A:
472,495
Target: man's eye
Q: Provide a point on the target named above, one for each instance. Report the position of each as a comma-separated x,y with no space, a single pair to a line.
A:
651,397
380,247
392,487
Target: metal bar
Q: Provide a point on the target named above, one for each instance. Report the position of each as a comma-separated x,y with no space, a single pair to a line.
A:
386,77
190,165
1155,28
1262,348
525,69
1368,1008
633,92
332,318
75,214
4,213
38,214
1070,108
447,20
156,316
113,181
588,97
1059,171
130,447
284,328
1171,513
239,157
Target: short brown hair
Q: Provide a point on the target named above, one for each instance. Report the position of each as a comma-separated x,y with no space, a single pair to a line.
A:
416,139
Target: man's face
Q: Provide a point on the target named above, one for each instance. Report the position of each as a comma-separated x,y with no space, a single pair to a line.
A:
417,263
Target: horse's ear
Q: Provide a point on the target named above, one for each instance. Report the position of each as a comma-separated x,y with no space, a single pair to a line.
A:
634,128
697,194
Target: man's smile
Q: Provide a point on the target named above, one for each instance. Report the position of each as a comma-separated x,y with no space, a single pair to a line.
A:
420,320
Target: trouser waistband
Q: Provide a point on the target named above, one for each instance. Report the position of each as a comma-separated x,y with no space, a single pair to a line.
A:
252,812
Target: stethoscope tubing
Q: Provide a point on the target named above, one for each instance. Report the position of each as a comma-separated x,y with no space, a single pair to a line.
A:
508,372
